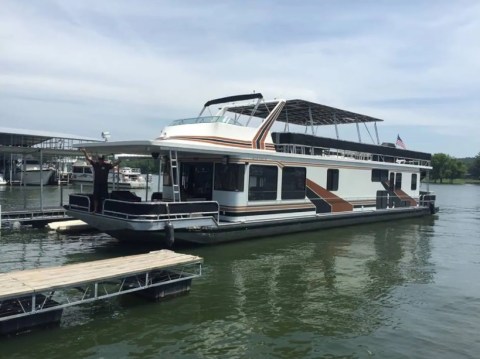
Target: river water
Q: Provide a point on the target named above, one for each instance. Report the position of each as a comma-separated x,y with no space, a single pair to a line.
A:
406,289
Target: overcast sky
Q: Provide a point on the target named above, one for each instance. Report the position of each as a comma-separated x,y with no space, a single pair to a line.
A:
130,67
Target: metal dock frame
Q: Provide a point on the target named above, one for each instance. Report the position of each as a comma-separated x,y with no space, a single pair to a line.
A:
33,292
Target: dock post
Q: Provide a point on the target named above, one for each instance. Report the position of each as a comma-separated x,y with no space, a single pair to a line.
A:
61,194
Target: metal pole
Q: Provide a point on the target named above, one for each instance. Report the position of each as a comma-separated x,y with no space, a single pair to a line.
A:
336,126
160,158
311,118
376,132
146,189
61,194
358,132
41,180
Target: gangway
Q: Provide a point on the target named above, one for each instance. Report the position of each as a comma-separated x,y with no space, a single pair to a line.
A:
37,297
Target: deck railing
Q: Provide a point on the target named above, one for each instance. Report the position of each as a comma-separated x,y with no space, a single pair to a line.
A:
148,210
347,154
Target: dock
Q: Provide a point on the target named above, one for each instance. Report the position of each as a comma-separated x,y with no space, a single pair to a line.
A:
32,217
71,226
37,297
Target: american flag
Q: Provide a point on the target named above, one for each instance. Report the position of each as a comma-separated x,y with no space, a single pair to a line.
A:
400,143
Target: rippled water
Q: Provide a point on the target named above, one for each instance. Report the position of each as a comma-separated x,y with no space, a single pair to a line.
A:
406,289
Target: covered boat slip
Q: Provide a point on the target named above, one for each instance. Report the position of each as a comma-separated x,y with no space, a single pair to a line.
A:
38,291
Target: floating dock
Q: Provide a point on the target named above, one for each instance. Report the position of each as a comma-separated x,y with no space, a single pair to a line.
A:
73,226
33,217
37,297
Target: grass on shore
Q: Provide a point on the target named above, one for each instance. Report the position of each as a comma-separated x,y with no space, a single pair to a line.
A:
457,181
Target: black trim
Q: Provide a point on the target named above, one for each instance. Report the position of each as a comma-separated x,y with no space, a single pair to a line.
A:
280,138
233,99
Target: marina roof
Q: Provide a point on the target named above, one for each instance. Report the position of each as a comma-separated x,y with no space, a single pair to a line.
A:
298,112
23,137
22,141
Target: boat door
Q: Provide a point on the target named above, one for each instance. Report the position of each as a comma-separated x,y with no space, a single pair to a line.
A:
196,181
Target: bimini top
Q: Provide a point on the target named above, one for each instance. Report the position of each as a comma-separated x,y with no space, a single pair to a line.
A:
305,113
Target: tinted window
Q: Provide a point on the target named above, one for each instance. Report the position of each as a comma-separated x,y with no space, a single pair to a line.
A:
229,177
398,181
262,183
379,175
414,182
332,180
293,182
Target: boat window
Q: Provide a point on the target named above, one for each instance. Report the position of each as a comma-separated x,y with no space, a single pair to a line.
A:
77,170
196,180
262,183
332,180
293,182
398,181
379,175
392,181
229,177
206,119
87,170
414,182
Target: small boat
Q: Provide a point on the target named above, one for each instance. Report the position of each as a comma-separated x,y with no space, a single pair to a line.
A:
121,177
257,168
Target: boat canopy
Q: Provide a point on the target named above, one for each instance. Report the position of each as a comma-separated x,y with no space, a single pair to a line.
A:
305,113
234,98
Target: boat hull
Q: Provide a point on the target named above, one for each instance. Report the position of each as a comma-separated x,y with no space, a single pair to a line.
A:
202,233
34,177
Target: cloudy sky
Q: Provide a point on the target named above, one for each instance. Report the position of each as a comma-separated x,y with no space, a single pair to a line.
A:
130,67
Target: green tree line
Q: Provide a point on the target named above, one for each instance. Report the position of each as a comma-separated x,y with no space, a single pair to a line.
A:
446,167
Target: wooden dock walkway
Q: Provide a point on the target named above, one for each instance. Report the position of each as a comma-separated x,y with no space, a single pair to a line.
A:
35,291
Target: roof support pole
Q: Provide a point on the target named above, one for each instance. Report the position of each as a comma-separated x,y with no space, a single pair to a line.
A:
376,132
41,180
358,132
254,109
311,119
286,122
201,112
336,126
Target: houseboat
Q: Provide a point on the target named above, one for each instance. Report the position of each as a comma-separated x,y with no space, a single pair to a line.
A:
257,168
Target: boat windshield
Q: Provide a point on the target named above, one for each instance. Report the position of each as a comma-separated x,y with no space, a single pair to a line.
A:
206,119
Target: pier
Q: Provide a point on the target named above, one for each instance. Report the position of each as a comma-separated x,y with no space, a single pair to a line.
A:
32,217
37,297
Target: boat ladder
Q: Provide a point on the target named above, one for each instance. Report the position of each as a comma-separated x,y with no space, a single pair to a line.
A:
175,175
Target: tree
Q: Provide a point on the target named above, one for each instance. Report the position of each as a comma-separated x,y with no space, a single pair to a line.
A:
456,170
441,165
475,167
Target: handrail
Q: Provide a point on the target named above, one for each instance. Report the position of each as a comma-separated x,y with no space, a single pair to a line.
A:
339,153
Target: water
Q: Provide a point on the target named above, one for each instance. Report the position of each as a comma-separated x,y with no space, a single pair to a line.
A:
389,290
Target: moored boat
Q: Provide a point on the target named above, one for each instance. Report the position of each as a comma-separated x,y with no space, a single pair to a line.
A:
123,177
31,172
231,176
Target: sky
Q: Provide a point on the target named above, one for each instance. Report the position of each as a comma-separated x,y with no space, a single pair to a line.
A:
131,67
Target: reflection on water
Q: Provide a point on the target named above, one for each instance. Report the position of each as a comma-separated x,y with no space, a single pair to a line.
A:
388,289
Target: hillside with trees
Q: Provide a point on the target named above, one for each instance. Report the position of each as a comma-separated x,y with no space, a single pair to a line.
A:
447,168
